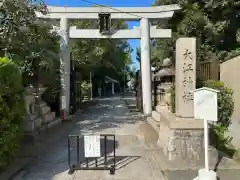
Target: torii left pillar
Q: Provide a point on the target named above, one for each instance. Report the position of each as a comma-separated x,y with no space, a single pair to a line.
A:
64,66
146,67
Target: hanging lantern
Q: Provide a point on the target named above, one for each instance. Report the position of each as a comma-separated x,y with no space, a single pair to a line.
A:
105,23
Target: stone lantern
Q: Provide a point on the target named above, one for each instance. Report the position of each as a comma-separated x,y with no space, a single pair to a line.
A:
38,114
163,80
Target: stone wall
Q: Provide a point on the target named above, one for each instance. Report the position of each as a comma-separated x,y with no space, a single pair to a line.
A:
229,74
180,138
181,144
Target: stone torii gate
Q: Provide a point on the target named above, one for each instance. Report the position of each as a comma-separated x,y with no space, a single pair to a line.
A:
145,33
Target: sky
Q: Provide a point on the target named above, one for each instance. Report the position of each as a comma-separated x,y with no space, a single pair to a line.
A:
115,3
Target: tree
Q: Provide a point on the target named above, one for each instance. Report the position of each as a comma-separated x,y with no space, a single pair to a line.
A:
155,54
11,111
15,18
103,57
138,54
215,24
28,41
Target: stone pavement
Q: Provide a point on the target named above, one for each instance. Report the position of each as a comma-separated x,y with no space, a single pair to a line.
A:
112,116
137,155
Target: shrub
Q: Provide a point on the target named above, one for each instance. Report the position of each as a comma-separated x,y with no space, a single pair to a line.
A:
225,102
11,110
225,109
221,141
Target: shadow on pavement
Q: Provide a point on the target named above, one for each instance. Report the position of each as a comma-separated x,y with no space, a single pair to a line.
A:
95,117
123,161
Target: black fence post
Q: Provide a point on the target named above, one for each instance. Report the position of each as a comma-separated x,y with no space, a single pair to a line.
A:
78,160
69,161
105,151
112,170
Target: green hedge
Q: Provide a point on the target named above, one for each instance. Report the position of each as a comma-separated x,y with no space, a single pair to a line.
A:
225,102
219,137
11,110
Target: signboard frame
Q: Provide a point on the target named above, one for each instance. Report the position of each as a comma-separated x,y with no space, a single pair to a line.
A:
205,100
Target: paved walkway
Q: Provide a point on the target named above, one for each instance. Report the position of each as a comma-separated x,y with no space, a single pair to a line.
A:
138,157
110,115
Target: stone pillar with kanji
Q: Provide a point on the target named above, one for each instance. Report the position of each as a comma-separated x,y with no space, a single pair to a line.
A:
185,80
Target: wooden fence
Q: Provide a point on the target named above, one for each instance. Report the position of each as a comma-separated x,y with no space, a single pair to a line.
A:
209,70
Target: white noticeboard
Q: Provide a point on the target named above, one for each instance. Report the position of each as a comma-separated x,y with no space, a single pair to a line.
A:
205,108
205,104
92,146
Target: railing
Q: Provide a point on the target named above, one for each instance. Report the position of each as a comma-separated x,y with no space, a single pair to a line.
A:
205,70
85,163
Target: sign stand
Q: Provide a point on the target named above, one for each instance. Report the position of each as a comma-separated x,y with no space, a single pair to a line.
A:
206,142
205,108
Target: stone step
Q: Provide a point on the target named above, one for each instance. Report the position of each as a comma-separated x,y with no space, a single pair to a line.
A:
149,133
33,124
30,117
36,122
54,122
160,107
50,116
153,123
156,116
187,163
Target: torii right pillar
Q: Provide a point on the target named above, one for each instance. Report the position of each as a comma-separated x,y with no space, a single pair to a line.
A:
146,67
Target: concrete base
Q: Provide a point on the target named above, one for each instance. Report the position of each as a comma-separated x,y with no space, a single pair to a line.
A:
179,138
206,175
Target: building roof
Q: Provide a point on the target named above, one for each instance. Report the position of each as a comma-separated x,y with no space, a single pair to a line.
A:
110,80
